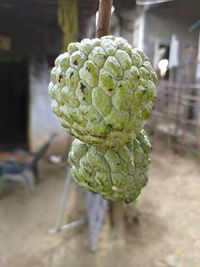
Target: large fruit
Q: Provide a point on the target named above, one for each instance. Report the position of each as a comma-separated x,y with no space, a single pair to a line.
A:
103,90
118,174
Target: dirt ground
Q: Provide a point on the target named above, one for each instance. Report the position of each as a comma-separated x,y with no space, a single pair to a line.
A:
163,229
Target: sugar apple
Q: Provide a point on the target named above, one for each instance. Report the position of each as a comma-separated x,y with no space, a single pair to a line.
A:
103,90
118,173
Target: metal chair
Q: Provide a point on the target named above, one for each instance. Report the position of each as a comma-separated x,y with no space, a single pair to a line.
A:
24,173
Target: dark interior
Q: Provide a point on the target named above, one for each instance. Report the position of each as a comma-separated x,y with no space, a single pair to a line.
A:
13,104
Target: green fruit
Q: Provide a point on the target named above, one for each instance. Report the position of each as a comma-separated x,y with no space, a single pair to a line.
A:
103,90
118,173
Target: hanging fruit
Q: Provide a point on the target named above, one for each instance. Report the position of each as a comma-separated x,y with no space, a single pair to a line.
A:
118,173
103,90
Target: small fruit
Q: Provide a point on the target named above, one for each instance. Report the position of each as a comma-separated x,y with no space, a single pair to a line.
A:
118,173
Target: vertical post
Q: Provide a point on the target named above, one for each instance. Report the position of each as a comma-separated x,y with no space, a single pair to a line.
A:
198,95
103,27
198,103
198,63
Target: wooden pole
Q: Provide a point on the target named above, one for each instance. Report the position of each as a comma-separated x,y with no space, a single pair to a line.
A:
103,23
103,27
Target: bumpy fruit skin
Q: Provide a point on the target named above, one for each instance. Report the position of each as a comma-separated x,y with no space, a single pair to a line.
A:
118,174
103,90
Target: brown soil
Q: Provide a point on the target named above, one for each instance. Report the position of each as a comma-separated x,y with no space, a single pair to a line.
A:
161,230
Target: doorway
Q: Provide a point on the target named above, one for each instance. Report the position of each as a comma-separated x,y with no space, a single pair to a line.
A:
13,104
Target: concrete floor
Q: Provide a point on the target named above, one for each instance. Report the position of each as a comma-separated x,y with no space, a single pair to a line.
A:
162,230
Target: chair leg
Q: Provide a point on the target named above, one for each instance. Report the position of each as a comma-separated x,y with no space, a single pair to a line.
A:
29,179
36,173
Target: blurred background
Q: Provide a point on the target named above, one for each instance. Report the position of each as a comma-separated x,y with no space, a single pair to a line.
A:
162,228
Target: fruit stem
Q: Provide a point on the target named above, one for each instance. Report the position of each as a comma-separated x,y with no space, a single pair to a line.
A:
103,22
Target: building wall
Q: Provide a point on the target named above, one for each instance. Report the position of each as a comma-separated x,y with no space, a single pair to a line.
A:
159,28
42,121
138,30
